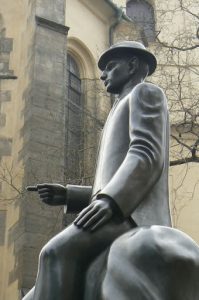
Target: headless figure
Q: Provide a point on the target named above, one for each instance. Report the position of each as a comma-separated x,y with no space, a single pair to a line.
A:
130,182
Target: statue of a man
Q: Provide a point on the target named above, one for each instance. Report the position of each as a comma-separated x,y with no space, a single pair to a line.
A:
131,180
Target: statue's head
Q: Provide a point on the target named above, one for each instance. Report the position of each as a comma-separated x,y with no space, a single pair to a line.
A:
123,62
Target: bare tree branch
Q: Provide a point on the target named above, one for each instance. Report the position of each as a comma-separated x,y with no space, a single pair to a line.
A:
182,161
176,47
188,10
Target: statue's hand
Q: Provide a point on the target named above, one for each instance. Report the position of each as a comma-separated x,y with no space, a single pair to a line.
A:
94,215
50,193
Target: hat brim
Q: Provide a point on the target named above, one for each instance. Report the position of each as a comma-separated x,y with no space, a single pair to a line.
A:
110,54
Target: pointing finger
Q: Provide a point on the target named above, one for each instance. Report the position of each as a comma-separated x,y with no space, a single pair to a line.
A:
44,185
32,188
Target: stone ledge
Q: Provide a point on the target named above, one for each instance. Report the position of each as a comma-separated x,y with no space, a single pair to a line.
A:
51,25
8,77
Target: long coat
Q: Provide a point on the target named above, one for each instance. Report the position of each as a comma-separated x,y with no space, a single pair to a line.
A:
133,157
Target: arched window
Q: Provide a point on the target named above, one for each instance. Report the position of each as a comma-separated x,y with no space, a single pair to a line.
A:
142,13
74,120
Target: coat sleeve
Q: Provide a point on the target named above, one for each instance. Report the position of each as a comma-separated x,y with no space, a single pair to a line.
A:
145,158
78,197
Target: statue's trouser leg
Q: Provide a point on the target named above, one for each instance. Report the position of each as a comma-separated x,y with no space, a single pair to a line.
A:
64,259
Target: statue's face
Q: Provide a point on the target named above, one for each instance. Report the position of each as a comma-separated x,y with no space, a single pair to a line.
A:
116,75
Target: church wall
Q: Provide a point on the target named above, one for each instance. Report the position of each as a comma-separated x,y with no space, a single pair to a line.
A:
32,106
16,39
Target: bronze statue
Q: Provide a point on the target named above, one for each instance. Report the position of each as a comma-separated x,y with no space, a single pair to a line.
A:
131,180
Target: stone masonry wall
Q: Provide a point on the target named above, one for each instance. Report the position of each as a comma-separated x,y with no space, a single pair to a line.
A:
43,136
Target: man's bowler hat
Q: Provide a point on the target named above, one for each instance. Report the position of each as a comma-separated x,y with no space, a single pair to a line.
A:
135,48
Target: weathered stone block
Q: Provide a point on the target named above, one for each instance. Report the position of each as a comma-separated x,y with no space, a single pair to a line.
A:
4,57
2,120
6,45
5,96
4,67
5,146
52,10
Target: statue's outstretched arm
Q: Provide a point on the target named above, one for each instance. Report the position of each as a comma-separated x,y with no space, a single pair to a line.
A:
75,197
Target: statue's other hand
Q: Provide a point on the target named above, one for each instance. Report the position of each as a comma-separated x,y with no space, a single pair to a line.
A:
51,193
94,215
